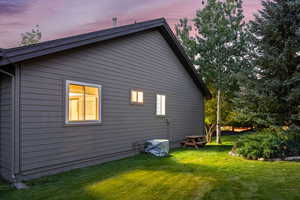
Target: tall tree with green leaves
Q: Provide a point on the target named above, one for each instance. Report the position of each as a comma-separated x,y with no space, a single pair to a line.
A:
32,37
218,48
270,92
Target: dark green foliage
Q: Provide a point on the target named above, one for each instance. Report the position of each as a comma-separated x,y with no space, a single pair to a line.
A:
270,87
293,137
266,144
269,144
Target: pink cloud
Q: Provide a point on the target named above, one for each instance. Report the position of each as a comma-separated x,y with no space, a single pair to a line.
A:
61,18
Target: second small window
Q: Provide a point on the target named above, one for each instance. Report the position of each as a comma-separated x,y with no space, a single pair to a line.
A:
137,97
160,104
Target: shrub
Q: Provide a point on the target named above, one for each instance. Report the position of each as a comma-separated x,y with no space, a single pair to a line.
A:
293,142
266,144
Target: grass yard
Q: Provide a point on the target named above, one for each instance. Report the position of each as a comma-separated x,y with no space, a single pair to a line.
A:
208,173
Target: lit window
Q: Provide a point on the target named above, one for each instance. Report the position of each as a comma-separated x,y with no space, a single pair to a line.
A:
83,102
160,104
137,97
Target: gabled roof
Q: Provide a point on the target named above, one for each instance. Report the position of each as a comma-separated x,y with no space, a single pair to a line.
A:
14,55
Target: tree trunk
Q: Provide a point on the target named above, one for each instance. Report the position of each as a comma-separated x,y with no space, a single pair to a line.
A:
218,118
209,130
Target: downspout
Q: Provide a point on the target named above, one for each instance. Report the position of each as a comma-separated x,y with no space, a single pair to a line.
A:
2,55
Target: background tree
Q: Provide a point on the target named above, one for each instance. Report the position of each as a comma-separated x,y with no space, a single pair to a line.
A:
211,114
32,37
218,47
270,88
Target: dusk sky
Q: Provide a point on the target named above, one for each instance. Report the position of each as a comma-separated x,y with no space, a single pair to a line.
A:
62,18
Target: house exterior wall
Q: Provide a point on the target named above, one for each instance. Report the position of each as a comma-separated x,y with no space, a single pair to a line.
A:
5,126
142,61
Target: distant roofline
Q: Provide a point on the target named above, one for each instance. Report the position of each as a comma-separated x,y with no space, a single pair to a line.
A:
18,54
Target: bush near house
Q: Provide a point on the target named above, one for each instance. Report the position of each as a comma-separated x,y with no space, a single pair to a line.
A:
269,143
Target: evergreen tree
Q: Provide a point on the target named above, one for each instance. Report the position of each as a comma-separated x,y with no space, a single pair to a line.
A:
219,47
270,89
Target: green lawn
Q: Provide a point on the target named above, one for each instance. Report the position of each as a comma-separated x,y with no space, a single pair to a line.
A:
208,173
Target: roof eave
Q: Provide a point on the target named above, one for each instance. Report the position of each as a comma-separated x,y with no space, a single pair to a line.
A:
23,53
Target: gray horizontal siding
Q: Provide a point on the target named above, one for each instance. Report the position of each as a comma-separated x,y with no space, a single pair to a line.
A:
75,164
144,61
5,126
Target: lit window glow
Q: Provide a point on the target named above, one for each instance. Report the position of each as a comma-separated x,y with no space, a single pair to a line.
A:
83,102
137,97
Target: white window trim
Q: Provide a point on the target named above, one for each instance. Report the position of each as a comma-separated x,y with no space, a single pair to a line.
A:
162,115
67,122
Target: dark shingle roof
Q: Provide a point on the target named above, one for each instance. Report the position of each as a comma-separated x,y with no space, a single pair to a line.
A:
14,55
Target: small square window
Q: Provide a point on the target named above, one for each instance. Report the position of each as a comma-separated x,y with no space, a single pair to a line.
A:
137,97
160,105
